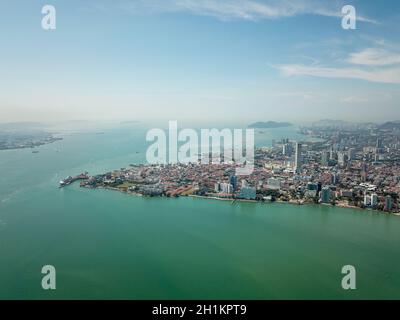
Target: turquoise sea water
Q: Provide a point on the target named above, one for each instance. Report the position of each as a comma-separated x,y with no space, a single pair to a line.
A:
106,244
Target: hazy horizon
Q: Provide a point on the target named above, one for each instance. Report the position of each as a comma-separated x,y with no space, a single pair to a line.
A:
90,125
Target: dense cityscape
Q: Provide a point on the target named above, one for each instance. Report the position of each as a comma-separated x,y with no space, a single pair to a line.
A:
345,165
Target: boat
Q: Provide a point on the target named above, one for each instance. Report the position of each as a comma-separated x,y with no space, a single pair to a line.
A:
67,181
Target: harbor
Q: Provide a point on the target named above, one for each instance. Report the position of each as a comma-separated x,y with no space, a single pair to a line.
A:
71,179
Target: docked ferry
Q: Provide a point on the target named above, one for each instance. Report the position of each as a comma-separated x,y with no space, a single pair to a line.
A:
67,181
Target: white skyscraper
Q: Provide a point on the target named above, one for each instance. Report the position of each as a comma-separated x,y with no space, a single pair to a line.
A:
287,149
226,188
297,159
342,158
374,200
325,195
367,200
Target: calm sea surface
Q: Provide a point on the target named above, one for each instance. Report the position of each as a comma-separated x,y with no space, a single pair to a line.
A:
106,244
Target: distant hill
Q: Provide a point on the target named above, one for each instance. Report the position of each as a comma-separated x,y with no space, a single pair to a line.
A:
390,125
329,123
269,125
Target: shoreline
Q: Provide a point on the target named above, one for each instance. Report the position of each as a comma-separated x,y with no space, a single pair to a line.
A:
32,147
250,201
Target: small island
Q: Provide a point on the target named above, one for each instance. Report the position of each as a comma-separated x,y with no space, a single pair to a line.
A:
270,125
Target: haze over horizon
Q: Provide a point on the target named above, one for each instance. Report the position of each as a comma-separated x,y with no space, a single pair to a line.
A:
227,60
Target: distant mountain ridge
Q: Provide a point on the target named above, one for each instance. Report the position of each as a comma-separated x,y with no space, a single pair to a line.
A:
270,124
390,125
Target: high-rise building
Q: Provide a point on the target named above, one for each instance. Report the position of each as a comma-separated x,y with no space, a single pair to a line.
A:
325,195
332,154
297,159
312,186
374,200
233,180
226,188
287,149
247,193
367,200
388,203
312,189
325,158
364,172
379,144
351,153
342,158
335,178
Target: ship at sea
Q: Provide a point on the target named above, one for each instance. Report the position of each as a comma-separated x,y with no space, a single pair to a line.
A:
68,180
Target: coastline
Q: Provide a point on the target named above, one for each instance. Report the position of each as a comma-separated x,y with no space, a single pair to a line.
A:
33,146
297,204
251,201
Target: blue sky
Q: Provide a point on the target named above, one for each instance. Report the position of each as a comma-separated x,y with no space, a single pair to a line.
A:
231,60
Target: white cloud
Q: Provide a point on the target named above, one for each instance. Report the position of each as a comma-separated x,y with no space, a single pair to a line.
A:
385,75
242,9
354,99
374,57
373,64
